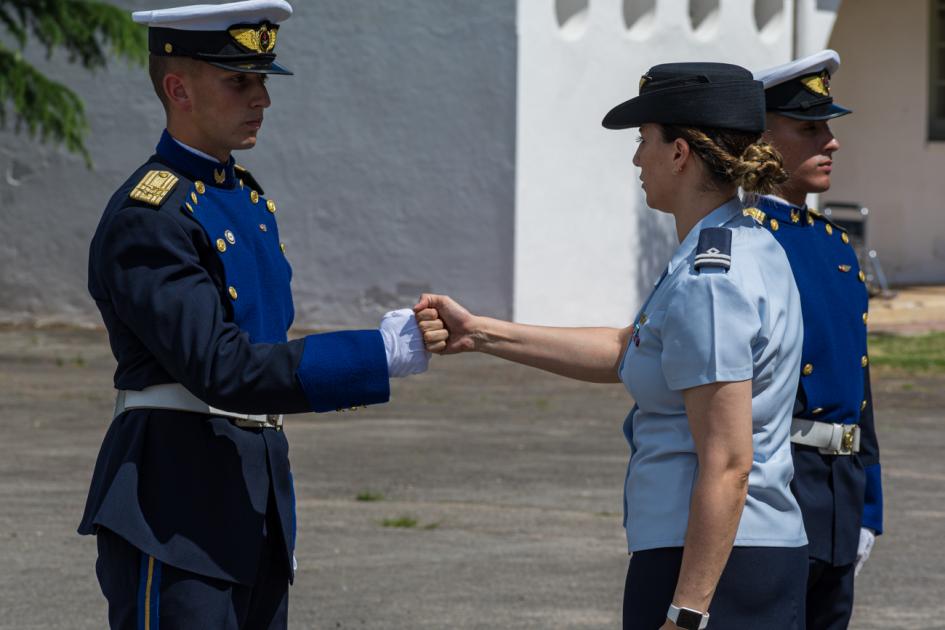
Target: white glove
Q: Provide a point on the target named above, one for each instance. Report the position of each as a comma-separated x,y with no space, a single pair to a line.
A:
404,343
867,539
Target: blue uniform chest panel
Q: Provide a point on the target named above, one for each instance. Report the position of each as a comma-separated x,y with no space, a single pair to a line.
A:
834,303
246,239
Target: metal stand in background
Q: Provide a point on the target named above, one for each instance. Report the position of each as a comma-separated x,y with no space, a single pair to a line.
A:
854,218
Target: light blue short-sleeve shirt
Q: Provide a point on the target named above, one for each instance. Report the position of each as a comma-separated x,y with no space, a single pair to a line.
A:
709,326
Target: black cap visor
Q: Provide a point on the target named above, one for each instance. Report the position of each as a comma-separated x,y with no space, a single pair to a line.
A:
253,67
819,112
735,105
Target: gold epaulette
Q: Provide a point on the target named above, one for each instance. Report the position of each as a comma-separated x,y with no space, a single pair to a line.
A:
246,179
154,187
755,214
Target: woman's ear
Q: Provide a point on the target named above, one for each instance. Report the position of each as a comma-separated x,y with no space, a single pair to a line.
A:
681,154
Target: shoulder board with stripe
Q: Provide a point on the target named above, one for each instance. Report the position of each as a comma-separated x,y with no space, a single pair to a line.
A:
154,187
714,249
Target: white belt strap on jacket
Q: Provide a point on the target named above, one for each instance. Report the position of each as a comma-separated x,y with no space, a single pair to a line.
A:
830,439
175,397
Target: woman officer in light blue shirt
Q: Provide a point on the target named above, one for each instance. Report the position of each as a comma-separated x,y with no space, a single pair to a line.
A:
712,361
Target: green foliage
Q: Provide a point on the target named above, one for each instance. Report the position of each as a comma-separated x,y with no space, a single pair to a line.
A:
368,495
89,31
919,353
405,522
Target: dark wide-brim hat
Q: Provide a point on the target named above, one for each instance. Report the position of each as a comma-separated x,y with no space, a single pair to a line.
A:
236,36
698,94
801,89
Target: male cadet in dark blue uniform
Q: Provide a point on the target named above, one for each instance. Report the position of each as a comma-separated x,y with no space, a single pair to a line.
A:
192,498
836,454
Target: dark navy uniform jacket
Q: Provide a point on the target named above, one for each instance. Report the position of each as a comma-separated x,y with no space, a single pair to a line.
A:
837,493
193,286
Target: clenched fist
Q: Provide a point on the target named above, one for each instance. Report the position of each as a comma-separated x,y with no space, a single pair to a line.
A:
447,327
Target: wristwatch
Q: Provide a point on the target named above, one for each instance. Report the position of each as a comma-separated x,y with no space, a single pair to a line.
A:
687,618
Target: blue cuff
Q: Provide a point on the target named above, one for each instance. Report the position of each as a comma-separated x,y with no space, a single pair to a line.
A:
873,505
344,369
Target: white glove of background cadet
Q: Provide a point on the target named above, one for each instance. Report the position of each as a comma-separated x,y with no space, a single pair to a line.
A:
863,549
404,343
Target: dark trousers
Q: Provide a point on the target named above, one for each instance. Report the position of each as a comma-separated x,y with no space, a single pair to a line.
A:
145,594
760,587
829,595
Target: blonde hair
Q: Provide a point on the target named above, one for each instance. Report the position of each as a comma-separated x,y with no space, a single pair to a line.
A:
733,157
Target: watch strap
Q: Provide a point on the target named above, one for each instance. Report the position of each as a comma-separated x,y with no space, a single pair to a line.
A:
687,618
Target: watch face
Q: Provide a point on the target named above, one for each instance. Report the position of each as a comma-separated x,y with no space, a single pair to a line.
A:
689,619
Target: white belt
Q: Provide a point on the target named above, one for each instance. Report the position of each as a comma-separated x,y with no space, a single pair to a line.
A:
176,397
830,439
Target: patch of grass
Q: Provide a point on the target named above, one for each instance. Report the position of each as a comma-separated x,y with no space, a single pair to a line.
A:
431,526
919,353
369,495
405,522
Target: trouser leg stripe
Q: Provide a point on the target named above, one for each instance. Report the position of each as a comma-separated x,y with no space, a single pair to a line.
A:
149,593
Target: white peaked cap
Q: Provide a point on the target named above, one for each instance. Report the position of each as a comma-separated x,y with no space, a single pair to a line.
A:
216,17
827,60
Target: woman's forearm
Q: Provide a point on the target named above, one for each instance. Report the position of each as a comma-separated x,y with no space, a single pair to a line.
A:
720,420
714,513
587,354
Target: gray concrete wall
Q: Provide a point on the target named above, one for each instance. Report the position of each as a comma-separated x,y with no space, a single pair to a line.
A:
390,153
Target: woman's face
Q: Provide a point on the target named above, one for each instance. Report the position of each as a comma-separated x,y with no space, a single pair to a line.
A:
656,160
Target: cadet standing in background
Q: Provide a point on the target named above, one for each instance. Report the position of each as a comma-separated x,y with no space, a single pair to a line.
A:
836,455
192,496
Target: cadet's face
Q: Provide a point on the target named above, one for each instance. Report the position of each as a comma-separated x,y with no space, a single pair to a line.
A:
807,147
227,107
654,158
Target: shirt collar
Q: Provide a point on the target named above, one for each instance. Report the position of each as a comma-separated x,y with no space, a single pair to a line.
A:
717,218
782,210
196,164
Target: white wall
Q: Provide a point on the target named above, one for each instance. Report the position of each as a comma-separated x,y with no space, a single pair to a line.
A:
391,154
587,248
886,161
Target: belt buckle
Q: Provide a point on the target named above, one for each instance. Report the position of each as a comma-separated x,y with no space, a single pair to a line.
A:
846,441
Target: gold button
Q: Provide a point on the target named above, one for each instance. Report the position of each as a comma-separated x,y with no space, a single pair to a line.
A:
282,247
818,411
774,225
200,187
233,292
829,228
241,183
810,220
864,361
168,48
221,245
863,406
270,205
262,227
866,317
229,237
845,238
795,216
254,196
861,276
844,268
808,370
189,207
193,197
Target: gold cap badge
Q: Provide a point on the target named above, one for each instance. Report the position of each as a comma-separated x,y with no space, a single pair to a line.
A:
818,83
258,40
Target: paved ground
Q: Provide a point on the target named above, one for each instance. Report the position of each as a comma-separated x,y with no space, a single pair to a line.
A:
513,476
909,310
